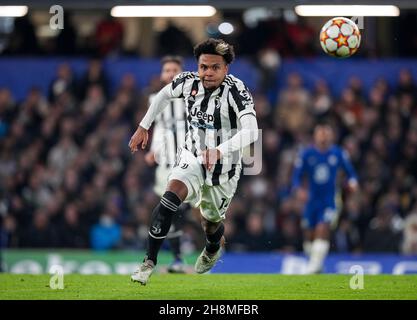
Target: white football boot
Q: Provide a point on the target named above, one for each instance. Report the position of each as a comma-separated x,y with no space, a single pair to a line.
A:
206,261
143,272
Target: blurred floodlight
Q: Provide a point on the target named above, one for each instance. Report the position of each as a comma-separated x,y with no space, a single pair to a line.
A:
13,11
163,11
347,10
290,16
226,28
252,16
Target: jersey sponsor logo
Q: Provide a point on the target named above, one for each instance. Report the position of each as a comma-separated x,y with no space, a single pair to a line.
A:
321,174
196,124
202,115
184,166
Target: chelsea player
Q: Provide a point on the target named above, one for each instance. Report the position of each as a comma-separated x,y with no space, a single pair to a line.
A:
320,163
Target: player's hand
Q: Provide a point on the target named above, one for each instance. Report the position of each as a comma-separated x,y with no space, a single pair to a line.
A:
301,195
353,186
150,158
140,137
210,157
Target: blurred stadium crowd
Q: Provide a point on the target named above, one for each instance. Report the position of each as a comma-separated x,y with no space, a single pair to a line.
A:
68,180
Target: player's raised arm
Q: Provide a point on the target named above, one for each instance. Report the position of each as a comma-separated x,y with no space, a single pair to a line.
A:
159,103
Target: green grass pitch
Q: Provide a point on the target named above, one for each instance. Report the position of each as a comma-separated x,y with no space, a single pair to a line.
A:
209,286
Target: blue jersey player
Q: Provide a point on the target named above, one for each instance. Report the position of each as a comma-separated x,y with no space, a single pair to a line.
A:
320,164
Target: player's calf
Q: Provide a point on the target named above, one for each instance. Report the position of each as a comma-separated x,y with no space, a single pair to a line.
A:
161,222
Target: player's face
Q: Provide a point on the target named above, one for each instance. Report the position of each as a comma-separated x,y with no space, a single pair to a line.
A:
323,136
212,70
169,71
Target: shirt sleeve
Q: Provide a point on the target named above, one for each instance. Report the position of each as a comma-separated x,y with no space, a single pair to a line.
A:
241,100
347,166
244,137
298,171
161,99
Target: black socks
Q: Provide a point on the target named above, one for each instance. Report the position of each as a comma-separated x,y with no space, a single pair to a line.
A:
161,222
213,240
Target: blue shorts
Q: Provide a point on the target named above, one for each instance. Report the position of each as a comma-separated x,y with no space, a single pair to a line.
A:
318,212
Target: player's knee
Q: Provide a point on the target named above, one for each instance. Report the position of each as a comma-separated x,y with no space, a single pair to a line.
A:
179,188
322,231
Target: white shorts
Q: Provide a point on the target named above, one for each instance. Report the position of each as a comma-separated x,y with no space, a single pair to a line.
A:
161,179
212,200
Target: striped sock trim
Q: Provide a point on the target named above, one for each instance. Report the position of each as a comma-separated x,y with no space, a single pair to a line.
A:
169,204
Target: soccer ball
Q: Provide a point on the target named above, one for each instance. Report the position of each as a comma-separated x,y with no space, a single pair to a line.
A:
340,37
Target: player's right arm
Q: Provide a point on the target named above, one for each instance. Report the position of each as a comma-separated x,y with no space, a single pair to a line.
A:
298,172
159,103
349,170
157,145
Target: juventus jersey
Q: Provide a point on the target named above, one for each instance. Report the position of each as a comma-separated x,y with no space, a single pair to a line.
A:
213,117
169,131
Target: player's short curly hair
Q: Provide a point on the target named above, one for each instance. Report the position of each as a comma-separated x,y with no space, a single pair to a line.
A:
215,46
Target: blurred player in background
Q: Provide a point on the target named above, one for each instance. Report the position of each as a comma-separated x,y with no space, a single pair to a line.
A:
320,163
169,133
221,121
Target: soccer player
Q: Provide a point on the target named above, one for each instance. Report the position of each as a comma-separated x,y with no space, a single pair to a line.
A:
169,132
320,163
221,121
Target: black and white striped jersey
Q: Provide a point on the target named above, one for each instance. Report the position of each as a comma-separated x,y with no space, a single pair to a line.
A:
169,131
213,117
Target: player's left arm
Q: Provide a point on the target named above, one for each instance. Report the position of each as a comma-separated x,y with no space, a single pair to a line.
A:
349,170
242,102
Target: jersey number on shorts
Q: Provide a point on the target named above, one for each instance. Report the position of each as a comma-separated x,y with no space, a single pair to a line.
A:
224,204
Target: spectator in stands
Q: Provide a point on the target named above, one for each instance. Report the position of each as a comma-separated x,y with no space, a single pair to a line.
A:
7,111
66,41
109,37
22,40
71,232
381,235
293,110
106,234
64,83
181,46
255,238
40,234
406,84
95,76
